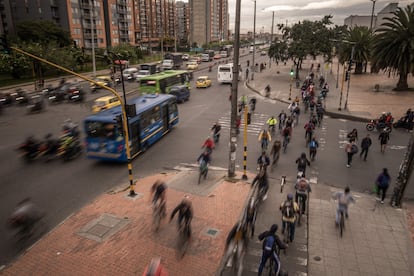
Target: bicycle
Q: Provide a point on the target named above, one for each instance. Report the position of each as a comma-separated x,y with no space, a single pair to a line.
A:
157,214
282,183
286,234
270,265
312,153
264,144
341,223
203,170
285,143
275,159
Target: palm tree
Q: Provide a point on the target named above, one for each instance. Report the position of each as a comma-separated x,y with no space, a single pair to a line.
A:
393,48
360,38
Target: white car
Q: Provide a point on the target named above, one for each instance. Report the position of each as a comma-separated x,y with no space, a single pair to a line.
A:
142,73
186,57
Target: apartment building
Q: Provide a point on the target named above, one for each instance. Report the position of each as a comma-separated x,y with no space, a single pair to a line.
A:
209,21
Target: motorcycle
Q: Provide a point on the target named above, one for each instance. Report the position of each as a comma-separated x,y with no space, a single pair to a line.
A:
56,97
380,127
35,104
69,148
29,149
401,123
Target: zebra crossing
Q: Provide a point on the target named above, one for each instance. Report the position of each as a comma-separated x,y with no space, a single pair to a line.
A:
257,122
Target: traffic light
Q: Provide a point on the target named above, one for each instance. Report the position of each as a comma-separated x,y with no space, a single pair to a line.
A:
292,72
4,46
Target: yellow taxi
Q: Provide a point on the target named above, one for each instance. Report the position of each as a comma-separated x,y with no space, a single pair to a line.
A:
105,102
103,80
203,81
192,65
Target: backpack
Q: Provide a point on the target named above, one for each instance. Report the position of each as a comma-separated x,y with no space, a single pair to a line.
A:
312,144
302,185
302,163
287,209
354,149
269,243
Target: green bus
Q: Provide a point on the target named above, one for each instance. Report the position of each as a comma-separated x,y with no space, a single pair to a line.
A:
162,82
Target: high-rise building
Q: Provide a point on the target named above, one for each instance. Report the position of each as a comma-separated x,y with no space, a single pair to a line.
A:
208,21
183,21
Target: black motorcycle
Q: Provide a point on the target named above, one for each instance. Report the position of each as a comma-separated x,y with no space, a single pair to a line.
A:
35,104
402,123
56,97
29,149
69,148
21,97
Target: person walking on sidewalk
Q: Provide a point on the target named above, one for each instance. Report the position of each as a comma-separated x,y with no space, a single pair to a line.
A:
383,182
383,137
271,245
351,148
365,144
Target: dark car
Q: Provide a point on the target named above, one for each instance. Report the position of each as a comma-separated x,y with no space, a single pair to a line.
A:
181,92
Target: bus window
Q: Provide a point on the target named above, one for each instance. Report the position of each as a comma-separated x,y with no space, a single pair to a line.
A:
150,116
102,130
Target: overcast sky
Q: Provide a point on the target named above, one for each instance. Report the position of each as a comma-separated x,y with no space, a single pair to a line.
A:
295,10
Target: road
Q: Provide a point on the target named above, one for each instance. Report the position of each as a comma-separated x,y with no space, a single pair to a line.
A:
62,188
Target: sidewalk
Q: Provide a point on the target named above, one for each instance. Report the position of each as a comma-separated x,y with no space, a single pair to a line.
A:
113,236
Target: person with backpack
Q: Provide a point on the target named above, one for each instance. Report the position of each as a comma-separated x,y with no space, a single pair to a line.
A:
271,242
309,127
302,161
289,210
351,148
302,188
344,198
383,182
365,144
313,146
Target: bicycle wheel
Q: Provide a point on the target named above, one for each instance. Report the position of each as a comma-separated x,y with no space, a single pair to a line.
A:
271,267
342,224
287,233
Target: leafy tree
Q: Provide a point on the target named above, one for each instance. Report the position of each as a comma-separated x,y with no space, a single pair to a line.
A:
278,50
360,38
43,32
393,47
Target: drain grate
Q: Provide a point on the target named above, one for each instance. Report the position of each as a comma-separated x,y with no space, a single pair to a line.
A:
103,227
212,232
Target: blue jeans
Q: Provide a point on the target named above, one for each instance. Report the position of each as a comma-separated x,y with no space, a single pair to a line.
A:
292,229
265,142
266,255
340,208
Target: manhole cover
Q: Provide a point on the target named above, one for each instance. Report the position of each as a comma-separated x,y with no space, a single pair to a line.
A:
317,258
212,232
103,227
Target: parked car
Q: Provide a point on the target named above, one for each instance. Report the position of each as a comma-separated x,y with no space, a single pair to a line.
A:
203,82
192,65
186,57
181,92
105,102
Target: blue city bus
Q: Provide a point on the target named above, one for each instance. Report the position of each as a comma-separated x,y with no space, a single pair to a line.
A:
154,116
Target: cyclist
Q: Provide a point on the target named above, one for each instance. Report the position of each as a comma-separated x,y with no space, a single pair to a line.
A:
25,217
309,127
289,121
208,144
252,103
314,120
216,131
271,244
155,268
302,161
271,122
302,188
275,151
344,198
282,118
320,111
185,213
242,102
158,191
289,210
264,138
263,161
313,146
204,160
236,237
263,182
286,134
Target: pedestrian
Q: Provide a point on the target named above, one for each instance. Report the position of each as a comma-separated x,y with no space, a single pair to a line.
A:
353,135
351,148
365,144
383,182
247,73
383,137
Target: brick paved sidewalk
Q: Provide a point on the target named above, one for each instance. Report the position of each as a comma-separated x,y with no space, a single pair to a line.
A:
127,251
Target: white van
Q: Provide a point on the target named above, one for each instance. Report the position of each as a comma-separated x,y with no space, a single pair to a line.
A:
129,73
205,57
225,73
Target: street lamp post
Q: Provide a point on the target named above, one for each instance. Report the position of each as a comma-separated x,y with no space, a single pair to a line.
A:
234,88
372,13
349,76
254,41
271,37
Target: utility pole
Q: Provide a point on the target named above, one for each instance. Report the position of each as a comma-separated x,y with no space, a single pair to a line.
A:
271,37
254,41
234,88
349,76
372,14
404,174
92,15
